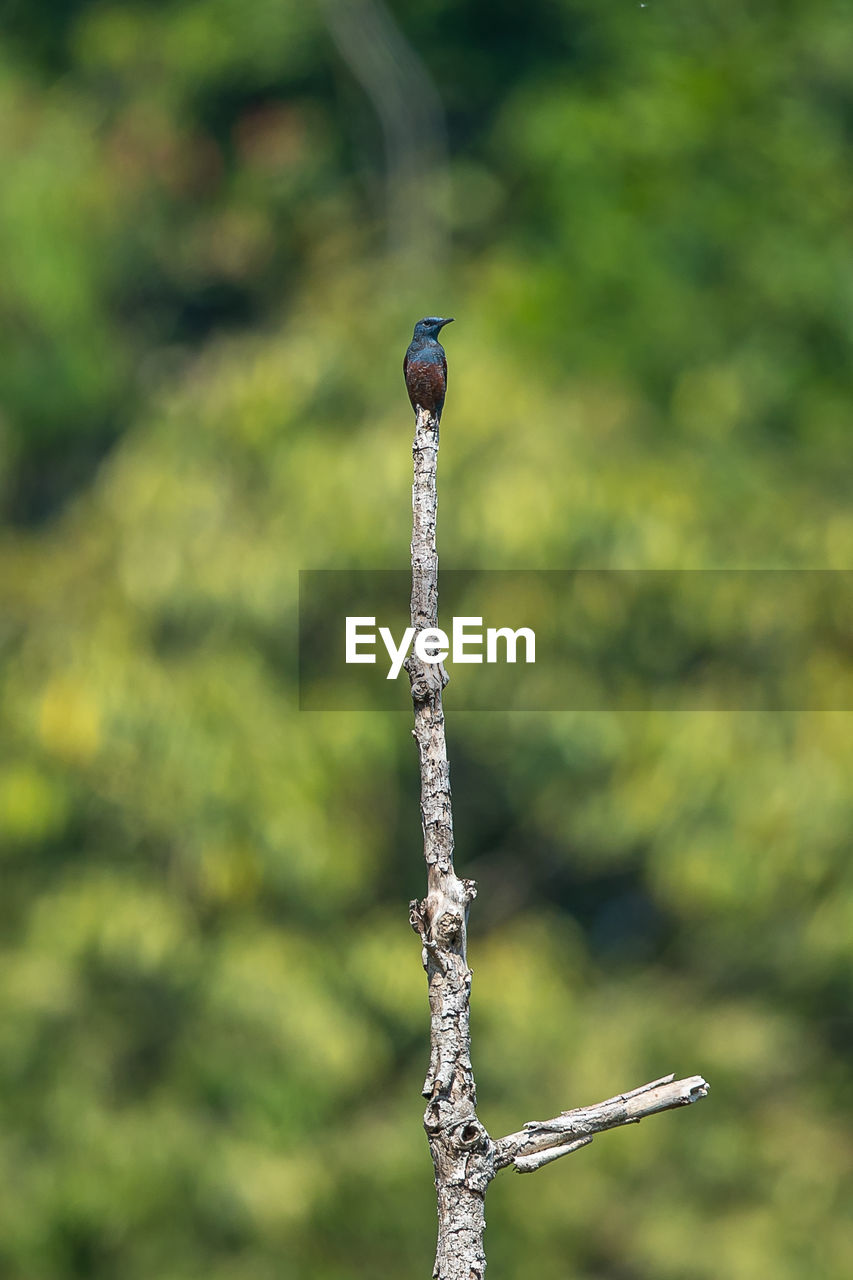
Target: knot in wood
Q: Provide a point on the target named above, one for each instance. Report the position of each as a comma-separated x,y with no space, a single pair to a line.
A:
471,1136
427,678
447,929
421,688
435,1116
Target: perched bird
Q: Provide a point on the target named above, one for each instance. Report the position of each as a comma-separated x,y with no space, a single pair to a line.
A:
425,366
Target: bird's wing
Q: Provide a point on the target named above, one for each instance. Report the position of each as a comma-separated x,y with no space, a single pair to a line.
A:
444,364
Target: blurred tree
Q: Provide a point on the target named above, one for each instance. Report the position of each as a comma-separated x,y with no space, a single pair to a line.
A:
651,266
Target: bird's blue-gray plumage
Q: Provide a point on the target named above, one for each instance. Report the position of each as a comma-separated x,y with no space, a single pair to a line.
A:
425,366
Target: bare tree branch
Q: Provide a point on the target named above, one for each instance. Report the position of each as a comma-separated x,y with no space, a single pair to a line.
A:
573,1129
464,1156
462,1151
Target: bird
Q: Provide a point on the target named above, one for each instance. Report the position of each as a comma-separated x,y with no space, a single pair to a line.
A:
425,366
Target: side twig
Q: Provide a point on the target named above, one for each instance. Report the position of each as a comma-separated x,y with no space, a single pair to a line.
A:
541,1141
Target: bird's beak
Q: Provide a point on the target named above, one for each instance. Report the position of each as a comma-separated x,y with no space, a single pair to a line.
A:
450,321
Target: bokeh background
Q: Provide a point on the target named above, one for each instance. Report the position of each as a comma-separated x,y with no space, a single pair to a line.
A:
218,222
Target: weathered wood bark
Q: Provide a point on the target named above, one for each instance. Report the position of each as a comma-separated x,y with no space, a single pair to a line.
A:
464,1157
541,1141
462,1152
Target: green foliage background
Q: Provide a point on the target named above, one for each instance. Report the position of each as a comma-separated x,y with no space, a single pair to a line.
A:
212,1012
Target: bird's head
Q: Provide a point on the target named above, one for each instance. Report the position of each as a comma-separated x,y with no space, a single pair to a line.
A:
431,326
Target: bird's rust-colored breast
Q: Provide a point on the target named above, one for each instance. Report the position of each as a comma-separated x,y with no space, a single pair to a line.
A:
426,382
